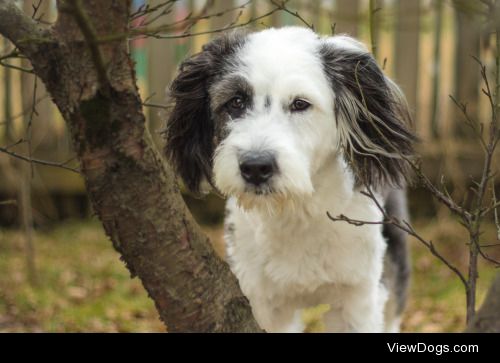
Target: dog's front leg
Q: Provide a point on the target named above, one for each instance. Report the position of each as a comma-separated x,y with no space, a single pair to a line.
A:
361,310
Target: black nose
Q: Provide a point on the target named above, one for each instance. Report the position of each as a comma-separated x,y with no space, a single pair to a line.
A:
258,169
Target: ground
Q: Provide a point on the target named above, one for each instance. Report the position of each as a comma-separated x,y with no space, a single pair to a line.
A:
83,286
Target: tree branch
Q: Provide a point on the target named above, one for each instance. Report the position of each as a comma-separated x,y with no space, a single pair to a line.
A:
38,161
405,227
20,29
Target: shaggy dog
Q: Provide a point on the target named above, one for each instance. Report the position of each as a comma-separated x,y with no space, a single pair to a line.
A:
289,126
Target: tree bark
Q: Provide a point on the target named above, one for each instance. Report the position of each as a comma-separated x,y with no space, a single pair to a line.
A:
132,189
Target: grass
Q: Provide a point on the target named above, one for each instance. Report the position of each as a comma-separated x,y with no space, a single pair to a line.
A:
83,286
437,297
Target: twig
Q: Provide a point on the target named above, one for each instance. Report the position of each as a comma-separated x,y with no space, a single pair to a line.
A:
12,54
8,202
29,127
469,122
373,26
496,205
7,65
156,105
406,227
24,112
156,32
282,6
38,161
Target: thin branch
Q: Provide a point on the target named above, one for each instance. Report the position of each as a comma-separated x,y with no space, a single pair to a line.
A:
146,9
8,202
496,205
157,32
373,26
29,126
282,6
156,105
469,122
38,161
402,225
21,69
24,112
406,227
12,54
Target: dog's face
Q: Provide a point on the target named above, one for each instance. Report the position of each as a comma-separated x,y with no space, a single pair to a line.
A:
259,115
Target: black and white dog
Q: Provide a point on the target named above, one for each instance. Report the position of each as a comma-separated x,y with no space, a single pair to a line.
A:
290,126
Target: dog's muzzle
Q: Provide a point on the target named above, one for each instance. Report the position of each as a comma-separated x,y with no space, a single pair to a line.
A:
257,169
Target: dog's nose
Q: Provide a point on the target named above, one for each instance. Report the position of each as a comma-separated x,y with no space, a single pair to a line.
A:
258,169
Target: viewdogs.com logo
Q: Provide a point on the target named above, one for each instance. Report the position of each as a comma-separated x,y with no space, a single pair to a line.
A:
437,349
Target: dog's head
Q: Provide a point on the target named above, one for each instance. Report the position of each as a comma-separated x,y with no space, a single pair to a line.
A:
258,115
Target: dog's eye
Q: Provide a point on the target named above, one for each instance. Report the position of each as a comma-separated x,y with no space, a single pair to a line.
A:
299,104
237,103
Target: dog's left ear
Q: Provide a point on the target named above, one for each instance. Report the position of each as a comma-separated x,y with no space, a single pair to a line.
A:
371,112
190,127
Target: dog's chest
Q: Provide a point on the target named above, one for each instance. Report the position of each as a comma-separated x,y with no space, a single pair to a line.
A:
300,253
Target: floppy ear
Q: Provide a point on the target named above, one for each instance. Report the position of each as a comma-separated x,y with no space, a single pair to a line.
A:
190,127
372,115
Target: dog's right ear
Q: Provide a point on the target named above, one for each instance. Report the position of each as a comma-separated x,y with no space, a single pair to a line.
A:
190,127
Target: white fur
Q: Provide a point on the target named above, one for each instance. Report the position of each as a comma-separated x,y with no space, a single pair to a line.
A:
287,254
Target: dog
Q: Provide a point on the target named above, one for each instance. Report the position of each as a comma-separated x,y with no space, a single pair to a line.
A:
290,126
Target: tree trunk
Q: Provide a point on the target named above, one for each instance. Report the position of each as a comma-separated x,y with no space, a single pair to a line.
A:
132,189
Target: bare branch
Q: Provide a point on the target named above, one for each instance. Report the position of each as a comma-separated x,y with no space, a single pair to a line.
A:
282,6
20,29
38,161
406,227
158,31
21,69
8,202
156,105
469,122
496,205
12,54
25,112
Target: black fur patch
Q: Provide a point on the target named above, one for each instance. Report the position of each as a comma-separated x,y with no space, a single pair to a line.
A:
397,276
190,128
378,121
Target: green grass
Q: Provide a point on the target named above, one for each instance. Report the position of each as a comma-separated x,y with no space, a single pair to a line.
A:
83,286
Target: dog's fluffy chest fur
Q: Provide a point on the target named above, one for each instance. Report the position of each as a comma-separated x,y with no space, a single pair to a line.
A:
299,258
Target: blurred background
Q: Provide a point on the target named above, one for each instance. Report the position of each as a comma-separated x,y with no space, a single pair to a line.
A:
58,271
